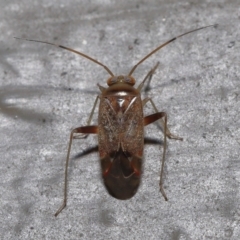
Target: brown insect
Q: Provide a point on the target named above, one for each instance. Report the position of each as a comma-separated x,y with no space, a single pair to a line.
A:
120,129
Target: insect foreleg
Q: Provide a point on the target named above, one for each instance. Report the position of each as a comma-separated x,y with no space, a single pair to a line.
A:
148,77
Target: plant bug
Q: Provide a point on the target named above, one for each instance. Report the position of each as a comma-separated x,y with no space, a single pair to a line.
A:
120,129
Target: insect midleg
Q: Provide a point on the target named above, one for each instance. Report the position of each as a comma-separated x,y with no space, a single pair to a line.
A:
168,133
89,119
84,130
148,120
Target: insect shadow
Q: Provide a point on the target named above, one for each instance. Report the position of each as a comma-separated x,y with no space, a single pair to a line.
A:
147,141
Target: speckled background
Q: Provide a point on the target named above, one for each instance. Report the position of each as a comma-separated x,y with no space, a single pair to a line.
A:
45,92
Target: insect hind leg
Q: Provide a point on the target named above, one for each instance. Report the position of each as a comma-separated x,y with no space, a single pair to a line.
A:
83,130
148,120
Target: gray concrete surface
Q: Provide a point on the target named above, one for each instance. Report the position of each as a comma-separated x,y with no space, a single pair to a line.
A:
45,92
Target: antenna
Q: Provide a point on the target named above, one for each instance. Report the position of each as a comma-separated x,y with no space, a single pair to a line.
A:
163,45
71,50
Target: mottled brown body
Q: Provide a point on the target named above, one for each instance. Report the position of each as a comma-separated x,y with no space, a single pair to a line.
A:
121,139
120,129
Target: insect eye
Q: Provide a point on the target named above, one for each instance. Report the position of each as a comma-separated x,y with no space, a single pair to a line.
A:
112,80
129,80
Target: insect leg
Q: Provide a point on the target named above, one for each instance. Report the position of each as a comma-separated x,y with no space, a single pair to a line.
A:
84,130
148,77
89,120
148,120
168,133
93,109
